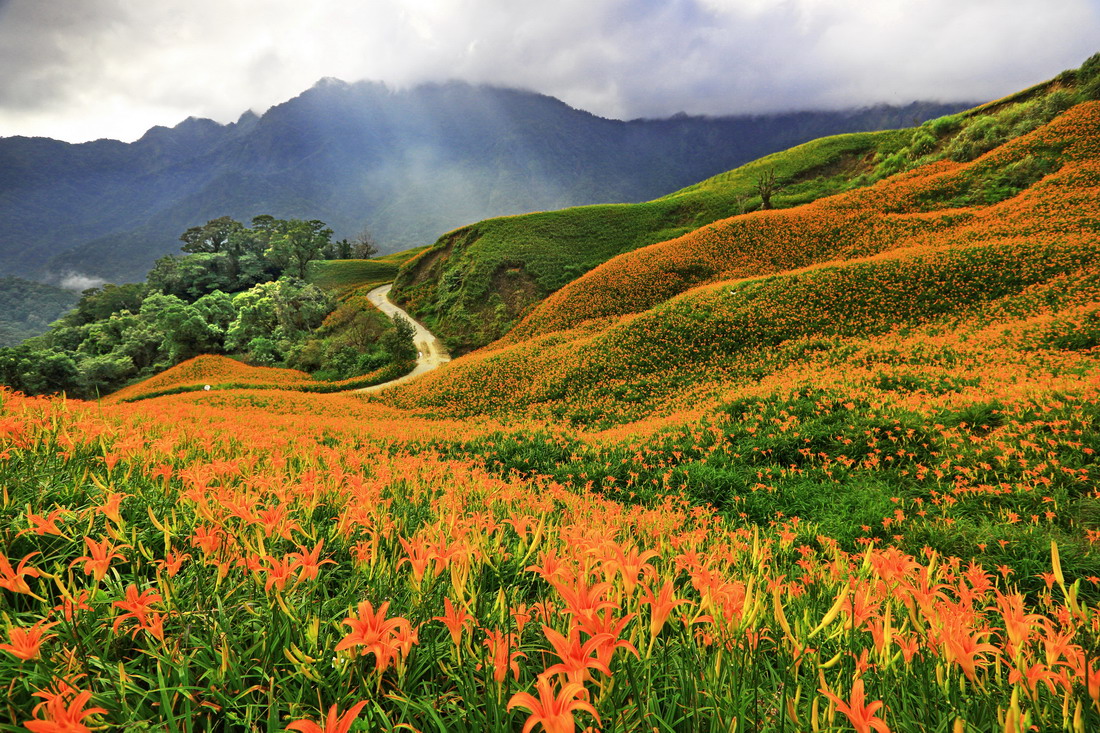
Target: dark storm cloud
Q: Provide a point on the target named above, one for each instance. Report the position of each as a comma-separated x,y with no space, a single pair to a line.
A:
81,69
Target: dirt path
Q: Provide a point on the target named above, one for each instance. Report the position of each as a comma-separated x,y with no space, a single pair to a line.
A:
431,353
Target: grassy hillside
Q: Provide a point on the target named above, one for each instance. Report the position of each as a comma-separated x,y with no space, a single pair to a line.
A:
934,202
819,468
338,276
475,283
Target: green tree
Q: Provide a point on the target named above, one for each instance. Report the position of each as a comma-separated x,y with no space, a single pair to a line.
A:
39,371
99,374
192,276
216,235
186,332
142,342
256,317
293,246
400,342
99,303
300,307
217,309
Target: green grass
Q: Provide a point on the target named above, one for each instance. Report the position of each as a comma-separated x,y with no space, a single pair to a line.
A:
342,275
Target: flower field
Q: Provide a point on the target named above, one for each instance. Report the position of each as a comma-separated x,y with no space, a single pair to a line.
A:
206,567
829,468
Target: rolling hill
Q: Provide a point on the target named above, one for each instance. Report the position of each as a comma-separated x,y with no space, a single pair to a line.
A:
477,282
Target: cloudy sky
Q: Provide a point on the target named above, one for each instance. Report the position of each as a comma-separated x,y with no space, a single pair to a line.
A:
84,69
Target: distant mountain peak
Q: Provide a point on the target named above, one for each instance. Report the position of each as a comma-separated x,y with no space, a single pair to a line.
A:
248,116
329,82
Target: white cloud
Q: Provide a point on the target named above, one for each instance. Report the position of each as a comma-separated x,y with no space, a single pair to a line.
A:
78,281
116,67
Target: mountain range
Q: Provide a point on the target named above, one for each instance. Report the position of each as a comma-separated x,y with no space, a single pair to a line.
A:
407,164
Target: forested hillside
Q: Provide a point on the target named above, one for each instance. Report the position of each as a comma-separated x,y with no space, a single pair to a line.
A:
27,308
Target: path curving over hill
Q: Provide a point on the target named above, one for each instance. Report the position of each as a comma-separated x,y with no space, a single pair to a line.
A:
430,351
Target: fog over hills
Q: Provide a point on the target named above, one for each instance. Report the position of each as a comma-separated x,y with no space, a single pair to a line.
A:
408,164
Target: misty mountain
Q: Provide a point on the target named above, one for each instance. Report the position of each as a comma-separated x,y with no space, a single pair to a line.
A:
409,164
28,308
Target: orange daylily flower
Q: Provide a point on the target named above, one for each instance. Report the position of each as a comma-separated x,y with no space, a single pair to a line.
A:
419,557
14,579
582,599
660,605
576,658
503,653
62,714
553,711
334,722
136,606
98,562
860,714
70,605
45,525
373,631
454,619
278,572
308,563
25,642
965,649
111,508
630,563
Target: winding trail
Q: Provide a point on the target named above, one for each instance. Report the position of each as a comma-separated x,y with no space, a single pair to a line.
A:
430,351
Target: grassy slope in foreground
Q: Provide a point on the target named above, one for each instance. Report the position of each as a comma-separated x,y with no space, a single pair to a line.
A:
242,534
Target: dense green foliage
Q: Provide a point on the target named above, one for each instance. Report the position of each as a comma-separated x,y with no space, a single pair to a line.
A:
238,290
28,308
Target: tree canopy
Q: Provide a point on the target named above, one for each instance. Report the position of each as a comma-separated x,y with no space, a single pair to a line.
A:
236,289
